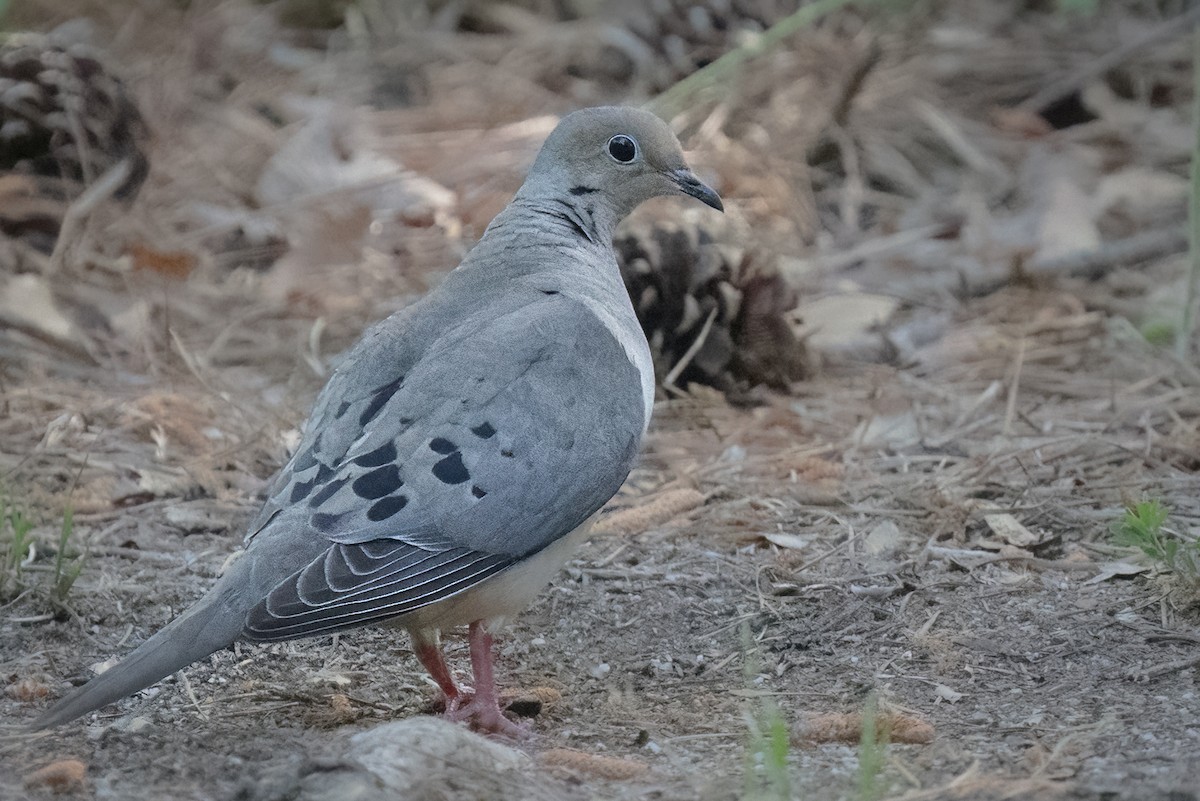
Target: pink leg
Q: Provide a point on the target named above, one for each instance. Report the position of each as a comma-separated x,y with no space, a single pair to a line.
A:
429,653
483,710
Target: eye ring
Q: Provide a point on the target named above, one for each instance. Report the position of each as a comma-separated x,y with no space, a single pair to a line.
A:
622,148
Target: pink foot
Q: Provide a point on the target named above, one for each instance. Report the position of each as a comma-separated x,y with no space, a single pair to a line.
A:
482,710
487,718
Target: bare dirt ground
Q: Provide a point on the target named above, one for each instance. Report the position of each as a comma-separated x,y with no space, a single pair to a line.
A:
925,517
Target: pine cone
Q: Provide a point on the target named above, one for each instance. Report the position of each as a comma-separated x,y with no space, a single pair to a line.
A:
679,279
690,35
63,115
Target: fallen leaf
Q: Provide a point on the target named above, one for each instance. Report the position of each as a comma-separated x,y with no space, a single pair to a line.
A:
1009,529
1110,570
884,538
947,694
842,322
171,263
28,298
793,541
1018,121
1067,224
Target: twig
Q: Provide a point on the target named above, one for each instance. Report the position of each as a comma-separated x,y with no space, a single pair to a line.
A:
1010,408
104,188
795,269
1091,264
692,350
675,99
1161,670
47,338
1096,263
191,694
1093,69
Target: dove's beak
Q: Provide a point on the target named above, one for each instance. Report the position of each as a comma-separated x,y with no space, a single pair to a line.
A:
689,184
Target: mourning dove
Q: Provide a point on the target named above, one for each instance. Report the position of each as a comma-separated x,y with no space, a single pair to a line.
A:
457,456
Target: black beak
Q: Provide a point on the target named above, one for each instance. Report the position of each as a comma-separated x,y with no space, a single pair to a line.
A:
689,184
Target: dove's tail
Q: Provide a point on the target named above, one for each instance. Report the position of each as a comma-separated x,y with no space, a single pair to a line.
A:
213,623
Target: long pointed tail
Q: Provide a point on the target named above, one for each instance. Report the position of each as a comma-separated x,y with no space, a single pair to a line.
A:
213,623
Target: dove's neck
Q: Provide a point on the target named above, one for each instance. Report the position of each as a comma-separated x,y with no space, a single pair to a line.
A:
579,215
557,246
547,233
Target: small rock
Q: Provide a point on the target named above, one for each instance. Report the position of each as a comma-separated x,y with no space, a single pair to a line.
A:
430,758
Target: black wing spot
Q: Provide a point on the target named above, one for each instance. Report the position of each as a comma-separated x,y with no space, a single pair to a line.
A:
324,522
382,396
484,431
507,454
378,483
324,473
300,490
442,445
384,454
582,190
384,509
549,291
451,470
327,492
477,492
341,410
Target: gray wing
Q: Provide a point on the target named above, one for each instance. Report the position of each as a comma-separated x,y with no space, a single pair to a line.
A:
495,442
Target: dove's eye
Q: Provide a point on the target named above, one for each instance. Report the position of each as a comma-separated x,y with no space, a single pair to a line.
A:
622,148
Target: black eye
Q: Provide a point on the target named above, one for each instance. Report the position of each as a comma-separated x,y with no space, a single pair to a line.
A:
622,148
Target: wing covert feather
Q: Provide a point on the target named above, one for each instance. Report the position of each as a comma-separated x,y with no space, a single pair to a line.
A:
446,482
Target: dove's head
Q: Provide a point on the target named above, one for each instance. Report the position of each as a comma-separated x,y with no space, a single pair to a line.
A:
612,158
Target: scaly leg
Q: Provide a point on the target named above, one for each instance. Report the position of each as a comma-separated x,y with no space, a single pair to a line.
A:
429,653
483,710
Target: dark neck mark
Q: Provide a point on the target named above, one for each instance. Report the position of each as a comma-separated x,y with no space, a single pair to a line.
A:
582,190
569,213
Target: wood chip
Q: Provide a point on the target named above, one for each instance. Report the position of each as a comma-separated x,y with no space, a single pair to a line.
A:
656,511
26,690
529,703
600,767
62,776
838,727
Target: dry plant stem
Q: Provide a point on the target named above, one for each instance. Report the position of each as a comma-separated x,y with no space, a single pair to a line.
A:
1161,670
871,248
1091,264
692,350
1193,283
92,197
1094,69
65,346
677,97
1010,409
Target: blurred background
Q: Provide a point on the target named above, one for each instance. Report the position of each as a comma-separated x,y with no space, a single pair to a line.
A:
913,383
